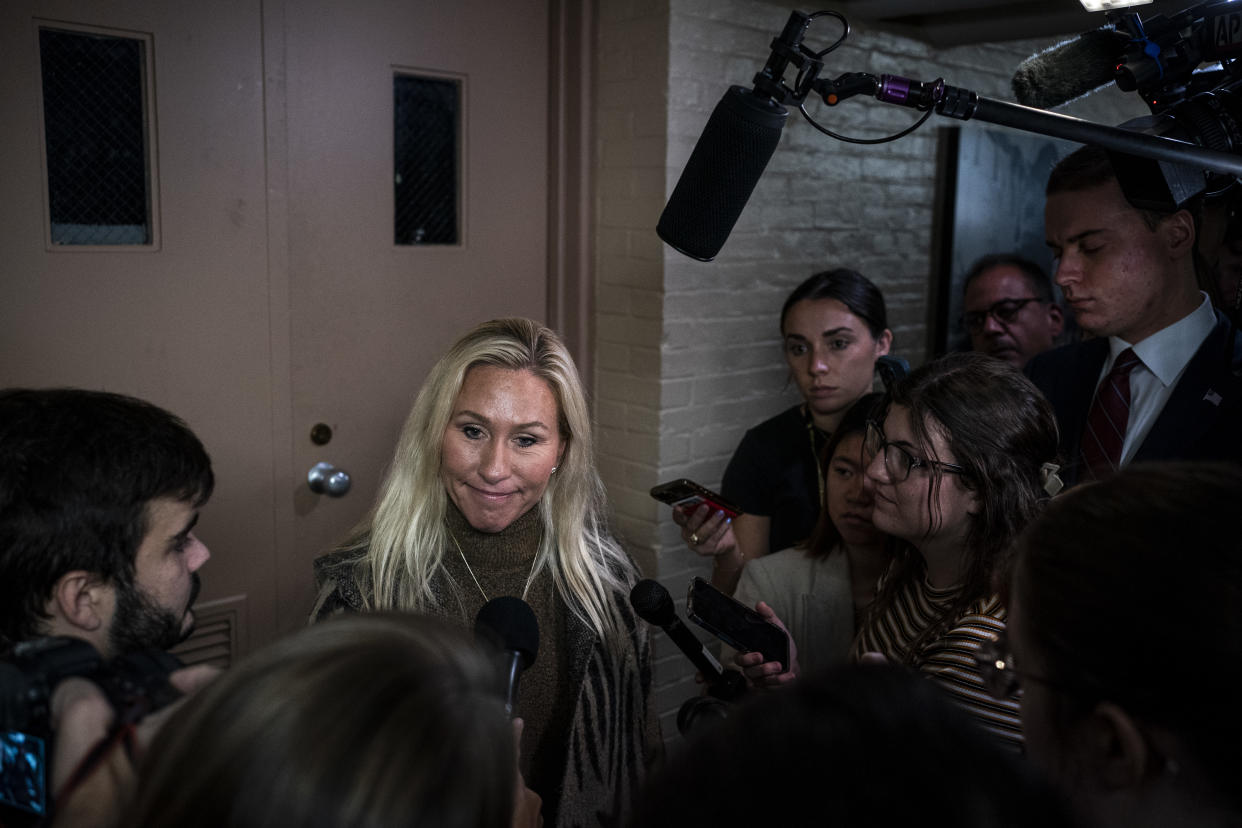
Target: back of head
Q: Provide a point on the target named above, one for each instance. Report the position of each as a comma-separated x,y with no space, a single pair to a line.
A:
849,287
1129,590
367,720
77,470
861,745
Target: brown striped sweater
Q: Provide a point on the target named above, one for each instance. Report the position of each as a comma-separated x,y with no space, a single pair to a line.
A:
949,660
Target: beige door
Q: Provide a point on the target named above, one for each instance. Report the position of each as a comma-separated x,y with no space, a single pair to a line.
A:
182,322
275,298
369,317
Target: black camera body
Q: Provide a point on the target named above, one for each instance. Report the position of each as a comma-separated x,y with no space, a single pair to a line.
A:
1162,62
135,684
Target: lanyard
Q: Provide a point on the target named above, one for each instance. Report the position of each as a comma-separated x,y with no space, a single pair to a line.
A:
812,433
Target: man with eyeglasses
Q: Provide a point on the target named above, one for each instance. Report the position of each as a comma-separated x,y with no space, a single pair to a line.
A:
1010,312
1162,377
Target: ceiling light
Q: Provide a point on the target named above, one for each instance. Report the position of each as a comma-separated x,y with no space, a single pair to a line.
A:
1104,5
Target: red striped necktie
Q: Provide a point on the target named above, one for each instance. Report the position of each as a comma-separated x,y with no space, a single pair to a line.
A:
1106,420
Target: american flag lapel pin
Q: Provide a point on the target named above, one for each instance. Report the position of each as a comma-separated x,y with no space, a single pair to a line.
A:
1212,397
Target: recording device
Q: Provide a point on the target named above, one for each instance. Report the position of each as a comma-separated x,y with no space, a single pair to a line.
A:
688,495
736,624
653,604
1069,70
730,156
1162,58
1184,149
508,624
135,684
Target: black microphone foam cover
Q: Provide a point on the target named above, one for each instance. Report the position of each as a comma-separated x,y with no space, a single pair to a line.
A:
723,169
509,623
653,603
1070,69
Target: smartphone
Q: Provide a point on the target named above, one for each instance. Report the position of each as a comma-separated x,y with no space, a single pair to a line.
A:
736,624
688,495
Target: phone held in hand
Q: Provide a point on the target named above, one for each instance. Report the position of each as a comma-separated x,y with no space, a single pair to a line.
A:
736,624
688,495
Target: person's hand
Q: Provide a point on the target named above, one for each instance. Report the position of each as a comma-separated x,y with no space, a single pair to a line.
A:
762,673
81,717
188,680
527,805
708,533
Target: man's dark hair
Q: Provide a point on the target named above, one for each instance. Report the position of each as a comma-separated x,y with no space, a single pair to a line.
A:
1036,278
77,470
1087,167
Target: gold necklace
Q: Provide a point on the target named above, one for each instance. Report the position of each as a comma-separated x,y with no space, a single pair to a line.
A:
474,578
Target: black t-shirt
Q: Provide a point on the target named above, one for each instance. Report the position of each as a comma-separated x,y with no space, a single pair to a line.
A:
773,474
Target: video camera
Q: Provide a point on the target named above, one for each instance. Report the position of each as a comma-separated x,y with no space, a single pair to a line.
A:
1163,59
1189,145
135,684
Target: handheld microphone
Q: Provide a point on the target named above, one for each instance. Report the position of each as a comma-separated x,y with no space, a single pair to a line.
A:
509,624
655,606
730,156
1070,69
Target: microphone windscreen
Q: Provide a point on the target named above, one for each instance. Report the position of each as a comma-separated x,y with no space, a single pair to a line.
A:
1070,69
653,603
510,624
723,169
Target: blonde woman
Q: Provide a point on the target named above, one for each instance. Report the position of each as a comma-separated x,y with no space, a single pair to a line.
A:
493,491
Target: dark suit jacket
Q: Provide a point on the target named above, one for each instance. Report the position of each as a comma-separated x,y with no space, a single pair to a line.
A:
1202,420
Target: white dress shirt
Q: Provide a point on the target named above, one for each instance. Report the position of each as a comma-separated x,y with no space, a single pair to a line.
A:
1164,356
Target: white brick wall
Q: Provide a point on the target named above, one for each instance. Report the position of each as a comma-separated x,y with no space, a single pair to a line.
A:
688,353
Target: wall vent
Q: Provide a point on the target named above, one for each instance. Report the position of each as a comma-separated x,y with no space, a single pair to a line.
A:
219,634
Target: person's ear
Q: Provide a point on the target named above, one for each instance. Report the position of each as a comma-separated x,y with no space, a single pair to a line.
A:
883,342
1056,319
1178,231
1115,754
81,600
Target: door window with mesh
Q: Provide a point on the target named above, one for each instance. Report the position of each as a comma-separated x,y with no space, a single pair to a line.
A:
426,166
97,142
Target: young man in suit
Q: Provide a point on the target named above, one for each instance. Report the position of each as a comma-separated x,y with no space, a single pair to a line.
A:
1161,379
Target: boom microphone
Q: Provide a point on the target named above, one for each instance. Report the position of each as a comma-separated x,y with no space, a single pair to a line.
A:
731,154
509,623
1071,69
722,172
655,606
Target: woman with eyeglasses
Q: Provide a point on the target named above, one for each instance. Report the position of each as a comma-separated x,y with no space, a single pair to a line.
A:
834,326
1126,638
961,459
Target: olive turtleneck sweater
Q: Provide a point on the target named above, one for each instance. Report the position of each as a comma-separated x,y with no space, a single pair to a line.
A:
501,562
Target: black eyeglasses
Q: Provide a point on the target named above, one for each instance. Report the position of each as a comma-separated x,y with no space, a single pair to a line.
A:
898,460
1005,311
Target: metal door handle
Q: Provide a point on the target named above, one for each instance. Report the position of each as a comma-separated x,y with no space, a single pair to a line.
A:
325,478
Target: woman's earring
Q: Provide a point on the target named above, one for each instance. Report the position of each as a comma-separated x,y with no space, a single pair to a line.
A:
554,468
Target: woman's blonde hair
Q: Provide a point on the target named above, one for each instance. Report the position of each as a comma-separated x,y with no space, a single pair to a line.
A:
406,534
365,720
